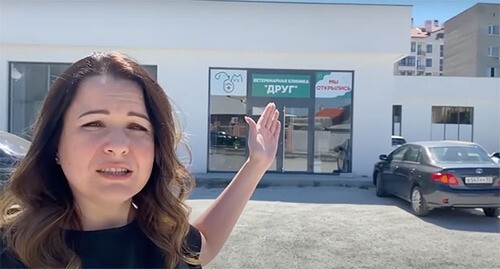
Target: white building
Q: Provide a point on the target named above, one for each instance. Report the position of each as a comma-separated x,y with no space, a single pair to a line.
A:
343,93
426,52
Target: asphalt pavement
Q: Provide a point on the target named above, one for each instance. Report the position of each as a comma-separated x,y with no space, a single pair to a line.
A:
322,225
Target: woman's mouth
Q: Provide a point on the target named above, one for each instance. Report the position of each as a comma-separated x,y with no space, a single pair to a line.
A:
114,171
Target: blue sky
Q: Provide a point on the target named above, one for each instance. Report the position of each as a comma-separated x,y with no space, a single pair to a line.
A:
441,10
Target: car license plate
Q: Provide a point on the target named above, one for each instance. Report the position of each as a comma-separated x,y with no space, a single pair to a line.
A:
478,180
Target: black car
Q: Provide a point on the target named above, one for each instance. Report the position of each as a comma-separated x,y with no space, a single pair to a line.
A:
221,139
12,149
495,156
437,174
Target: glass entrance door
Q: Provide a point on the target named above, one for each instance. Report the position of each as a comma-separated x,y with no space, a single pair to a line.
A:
294,148
295,139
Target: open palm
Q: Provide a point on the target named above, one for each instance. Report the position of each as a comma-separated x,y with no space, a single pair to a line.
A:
263,136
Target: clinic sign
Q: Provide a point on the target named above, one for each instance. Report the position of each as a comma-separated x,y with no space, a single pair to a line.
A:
280,85
228,82
333,84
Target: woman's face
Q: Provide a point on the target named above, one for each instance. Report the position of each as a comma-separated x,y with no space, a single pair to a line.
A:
106,148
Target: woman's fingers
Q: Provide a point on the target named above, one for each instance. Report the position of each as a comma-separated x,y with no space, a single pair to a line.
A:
276,130
267,116
274,121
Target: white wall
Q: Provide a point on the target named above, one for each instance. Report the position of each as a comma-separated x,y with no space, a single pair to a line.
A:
228,25
185,38
417,95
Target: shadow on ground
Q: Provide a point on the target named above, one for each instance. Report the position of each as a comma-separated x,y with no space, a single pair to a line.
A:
453,219
472,220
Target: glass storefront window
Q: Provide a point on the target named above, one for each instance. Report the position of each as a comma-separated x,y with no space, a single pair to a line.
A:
332,151
315,109
227,137
29,83
333,121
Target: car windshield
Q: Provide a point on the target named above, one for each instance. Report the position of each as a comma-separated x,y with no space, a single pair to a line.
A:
13,144
459,154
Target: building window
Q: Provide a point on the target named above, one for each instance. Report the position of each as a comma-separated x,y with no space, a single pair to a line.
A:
491,72
407,73
413,46
407,61
420,51
429,48
420,65
493,51
29,83
428,74
396,119
493,30
441,50
452,123
441,65
428,62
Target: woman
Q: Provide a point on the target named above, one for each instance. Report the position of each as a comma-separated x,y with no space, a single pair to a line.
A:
101,185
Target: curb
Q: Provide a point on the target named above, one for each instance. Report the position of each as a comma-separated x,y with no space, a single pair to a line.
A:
221,180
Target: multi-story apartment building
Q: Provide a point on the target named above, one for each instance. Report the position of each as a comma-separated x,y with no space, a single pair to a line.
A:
426,52
472,42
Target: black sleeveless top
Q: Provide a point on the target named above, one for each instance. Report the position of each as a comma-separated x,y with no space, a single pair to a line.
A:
122,247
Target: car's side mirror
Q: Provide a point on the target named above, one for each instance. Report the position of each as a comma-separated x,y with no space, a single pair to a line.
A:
383,157
496,154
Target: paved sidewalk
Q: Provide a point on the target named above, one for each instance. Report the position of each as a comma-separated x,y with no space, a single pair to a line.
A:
217,180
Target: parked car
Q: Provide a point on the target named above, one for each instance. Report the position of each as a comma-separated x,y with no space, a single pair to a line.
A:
495,156
436,174
397,141
12,149
223,139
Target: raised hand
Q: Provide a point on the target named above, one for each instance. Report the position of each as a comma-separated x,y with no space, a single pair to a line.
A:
263,136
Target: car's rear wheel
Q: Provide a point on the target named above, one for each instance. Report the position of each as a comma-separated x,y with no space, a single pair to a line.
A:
418,204
379,186
491,212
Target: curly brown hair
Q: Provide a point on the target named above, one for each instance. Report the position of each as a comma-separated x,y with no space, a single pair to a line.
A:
37,203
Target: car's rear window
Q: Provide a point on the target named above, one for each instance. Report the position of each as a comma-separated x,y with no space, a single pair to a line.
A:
459,154
398,141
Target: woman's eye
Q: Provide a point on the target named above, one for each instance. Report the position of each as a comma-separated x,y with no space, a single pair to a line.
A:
93,124
137,127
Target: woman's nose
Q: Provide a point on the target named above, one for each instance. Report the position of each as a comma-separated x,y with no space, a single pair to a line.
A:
118,143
